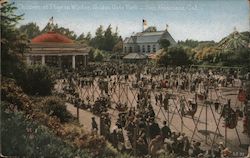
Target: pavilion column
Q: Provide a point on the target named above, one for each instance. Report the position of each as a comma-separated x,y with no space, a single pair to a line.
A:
43,59
28,60
73,61
60,61
85,60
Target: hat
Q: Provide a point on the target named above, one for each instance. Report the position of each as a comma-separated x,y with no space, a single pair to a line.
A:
221,143
180,138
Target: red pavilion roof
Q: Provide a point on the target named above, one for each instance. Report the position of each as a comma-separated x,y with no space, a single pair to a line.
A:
51,37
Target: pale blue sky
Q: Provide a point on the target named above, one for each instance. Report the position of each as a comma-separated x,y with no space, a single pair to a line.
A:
187,19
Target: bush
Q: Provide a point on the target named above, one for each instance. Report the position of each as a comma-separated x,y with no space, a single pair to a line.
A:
23,137
54,106
99,56
36,80
175,56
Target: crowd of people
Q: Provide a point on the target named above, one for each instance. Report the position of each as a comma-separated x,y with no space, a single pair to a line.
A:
138,122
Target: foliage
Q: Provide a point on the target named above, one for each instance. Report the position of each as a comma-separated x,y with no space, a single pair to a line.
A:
189,43
164,43
98,40
176,56
32,80
36,80
105,40
98,55
206,52
91,55
11,93
62,30
13,44
82,39
118,47
230,51
73,134
54,106
30,29
23,137
88,37
237,57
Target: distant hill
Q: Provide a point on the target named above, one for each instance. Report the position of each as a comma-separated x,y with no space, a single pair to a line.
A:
235,40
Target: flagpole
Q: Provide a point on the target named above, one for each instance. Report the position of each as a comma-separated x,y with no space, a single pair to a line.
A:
142,25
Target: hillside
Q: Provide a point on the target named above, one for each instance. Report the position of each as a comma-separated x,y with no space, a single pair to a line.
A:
36,133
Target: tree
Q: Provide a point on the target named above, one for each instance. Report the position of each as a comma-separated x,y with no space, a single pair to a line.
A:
13,44
175,56
164,43
30,29
54,106
189,43
62,30
36,80
105,40
81,37
99,56
88,37
91,54
109,39
118,47
98,40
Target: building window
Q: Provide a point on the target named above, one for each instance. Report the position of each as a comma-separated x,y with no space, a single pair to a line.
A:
143,49
130,49
154,49
125,49
148,48
139,50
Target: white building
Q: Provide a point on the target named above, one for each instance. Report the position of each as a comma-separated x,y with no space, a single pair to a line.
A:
146,41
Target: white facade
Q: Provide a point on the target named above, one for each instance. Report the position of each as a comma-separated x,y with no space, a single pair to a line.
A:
146,42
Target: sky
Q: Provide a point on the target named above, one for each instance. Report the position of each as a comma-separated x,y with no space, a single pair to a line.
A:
186,19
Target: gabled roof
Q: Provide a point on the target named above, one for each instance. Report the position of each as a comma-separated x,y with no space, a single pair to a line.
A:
149,37
128,40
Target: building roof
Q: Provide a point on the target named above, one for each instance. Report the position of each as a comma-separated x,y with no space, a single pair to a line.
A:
135,56
51,37
149,37
53,43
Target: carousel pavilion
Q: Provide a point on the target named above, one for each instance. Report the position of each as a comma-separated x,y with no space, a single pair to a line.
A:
54,49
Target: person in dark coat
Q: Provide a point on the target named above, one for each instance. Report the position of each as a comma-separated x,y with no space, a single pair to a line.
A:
154,129
165,131
94,124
